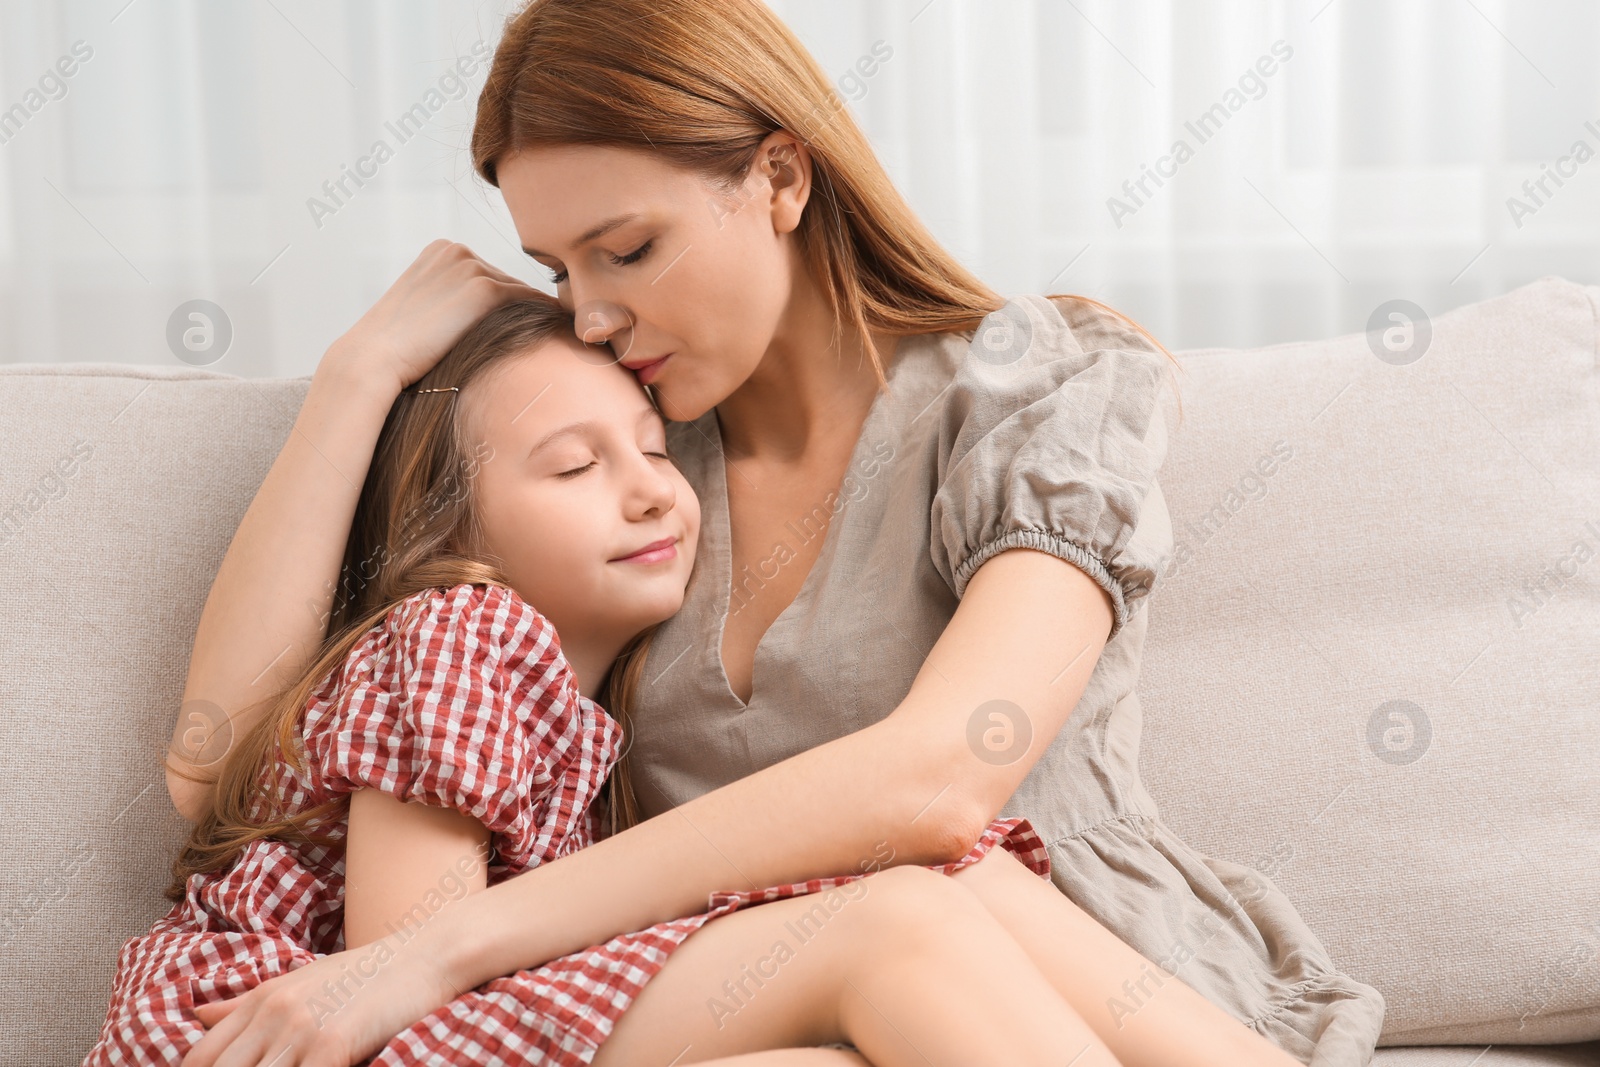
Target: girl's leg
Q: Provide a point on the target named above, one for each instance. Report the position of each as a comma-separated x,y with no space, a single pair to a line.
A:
1089,966
905,964
793,1057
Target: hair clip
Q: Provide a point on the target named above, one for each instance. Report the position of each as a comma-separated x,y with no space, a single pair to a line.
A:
442,389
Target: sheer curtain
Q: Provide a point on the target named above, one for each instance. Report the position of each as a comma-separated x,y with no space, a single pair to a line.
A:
1227,171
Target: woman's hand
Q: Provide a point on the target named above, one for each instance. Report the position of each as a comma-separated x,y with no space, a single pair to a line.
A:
446,289
335,1011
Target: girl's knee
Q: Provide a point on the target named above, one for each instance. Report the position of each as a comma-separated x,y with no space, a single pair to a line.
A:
997,862
1000,871
906,904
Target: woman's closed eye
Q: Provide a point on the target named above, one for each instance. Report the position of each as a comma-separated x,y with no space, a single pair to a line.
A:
622,261
635,256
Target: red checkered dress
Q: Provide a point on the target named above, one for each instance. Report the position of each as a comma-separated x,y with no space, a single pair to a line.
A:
460,698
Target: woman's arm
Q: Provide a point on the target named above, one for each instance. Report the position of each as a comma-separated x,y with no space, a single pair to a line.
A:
1029,630
269,604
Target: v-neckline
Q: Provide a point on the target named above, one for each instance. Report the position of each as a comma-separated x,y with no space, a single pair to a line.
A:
724,550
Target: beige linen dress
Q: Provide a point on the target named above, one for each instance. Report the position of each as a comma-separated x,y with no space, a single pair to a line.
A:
1043,428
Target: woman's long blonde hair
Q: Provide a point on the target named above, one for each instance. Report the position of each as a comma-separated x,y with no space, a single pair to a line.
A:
701,83
415,528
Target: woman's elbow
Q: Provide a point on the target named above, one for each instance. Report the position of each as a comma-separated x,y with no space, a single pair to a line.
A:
949,834
949,820
191,798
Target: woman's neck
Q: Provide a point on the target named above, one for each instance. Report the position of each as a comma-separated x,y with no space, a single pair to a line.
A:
807,388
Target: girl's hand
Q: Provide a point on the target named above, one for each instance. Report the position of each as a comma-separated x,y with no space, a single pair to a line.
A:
335,1011
446,289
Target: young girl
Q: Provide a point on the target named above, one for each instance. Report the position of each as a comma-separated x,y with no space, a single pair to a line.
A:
443,741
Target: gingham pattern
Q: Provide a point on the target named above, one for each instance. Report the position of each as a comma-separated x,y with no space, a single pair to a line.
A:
459,698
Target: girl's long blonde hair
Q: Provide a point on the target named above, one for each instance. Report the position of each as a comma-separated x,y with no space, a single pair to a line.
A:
701,83
415,528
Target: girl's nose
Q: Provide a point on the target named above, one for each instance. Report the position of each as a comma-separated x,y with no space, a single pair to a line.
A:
654,491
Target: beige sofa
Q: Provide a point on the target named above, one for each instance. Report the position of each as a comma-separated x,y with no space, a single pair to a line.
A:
1373,669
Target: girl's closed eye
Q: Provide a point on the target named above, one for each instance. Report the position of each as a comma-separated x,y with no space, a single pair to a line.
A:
575,471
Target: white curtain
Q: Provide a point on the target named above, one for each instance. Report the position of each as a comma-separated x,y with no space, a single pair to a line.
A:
1335,154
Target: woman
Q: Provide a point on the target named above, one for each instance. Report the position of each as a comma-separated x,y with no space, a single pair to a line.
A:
931,518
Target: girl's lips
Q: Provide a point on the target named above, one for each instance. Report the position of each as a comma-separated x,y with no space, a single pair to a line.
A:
665,549
648,372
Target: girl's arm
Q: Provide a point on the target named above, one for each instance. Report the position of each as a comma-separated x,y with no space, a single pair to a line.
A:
404,862
269,604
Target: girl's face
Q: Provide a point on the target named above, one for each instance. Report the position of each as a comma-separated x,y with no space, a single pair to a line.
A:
574,485
680,267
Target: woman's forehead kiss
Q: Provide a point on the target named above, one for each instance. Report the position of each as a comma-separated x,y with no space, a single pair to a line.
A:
553,393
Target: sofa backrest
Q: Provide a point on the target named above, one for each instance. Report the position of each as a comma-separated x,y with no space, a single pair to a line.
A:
1373,666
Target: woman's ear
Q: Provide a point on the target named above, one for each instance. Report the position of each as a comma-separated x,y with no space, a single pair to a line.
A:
786,164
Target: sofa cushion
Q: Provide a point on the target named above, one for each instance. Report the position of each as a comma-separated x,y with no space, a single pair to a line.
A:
1584,1055
1372,670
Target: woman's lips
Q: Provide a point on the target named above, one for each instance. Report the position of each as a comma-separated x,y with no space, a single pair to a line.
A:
648,372
665,549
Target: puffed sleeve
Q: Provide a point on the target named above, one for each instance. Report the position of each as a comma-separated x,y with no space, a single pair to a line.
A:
458,699
1051,434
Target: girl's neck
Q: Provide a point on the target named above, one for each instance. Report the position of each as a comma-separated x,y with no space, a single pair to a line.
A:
590,657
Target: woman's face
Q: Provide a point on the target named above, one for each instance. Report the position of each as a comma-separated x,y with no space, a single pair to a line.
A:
690,271
575,481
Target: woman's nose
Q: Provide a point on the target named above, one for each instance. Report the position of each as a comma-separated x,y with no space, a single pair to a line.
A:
600,322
